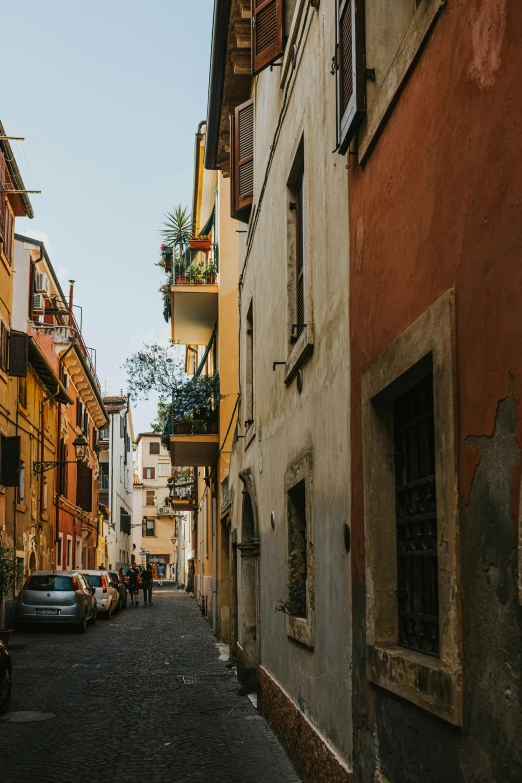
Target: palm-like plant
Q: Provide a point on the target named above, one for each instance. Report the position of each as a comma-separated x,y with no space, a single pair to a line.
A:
178,228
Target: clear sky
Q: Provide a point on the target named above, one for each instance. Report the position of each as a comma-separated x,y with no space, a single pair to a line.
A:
108,96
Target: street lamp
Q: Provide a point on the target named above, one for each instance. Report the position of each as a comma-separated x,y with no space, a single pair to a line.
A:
80,449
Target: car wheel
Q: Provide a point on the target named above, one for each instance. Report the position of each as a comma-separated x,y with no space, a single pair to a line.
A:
5,688
82,627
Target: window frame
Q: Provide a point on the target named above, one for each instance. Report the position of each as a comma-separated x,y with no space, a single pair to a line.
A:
68,553
377,114
434,684
156,445
300,342
302,629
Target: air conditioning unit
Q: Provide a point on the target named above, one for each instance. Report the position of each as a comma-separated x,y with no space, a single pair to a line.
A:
164,510
41,283
38,304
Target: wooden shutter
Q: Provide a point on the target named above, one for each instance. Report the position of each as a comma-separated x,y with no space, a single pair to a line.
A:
79,412
351,101
11,452
154,448
18,354
84,486
9,231
3,346
244,156
267,33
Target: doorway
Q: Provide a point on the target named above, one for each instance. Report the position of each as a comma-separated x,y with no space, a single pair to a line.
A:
249,645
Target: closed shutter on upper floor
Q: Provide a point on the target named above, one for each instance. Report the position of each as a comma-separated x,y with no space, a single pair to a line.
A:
267,33
350,70
242,160
18,354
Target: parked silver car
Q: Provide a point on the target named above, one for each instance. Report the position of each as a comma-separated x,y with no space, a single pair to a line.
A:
107,594
56,597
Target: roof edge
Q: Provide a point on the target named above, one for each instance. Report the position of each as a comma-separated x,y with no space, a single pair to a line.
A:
216,79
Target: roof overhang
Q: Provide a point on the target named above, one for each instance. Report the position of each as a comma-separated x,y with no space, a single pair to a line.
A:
230,78
19,201
82,378
46,374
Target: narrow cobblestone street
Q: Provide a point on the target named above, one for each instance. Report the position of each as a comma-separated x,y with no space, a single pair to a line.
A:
141,697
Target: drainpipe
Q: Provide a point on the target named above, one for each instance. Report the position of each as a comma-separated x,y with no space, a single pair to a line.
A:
71,300
214,564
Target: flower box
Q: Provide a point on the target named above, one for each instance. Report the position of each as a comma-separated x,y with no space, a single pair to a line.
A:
200,243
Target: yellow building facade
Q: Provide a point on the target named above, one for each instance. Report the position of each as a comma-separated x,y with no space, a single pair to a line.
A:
204,319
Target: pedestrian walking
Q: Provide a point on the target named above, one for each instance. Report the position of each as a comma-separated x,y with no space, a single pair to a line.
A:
146,583
134,586
161,574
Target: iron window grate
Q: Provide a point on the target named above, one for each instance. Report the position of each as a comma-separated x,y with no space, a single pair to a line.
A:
416,519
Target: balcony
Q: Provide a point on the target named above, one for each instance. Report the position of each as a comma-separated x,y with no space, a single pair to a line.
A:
194,448
183,490
193,295
191,427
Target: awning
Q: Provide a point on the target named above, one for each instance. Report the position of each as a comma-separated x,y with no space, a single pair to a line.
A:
45,372
205,355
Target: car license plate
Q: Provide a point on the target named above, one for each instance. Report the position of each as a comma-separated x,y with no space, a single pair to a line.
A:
47,611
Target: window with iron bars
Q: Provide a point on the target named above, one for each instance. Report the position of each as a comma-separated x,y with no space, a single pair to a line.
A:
299,258
416,519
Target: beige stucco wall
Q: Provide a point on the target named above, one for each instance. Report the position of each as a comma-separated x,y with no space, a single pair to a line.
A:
288,424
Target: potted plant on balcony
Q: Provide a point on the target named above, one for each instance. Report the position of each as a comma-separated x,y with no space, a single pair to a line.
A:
200,242
180,272
166,257
211,273
196,273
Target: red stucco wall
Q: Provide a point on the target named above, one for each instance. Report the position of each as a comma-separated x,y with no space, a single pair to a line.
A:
438,205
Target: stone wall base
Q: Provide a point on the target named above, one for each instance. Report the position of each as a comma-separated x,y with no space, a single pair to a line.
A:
313,758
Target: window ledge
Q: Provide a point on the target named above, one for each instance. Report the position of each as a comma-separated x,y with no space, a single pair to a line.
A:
250,435
292,38
420,26
300,352
301,629
418,678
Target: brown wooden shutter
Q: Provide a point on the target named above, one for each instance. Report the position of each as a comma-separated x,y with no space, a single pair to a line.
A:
11,452
83,486
18,354
351,101
267,33
9,235
3,346
244,156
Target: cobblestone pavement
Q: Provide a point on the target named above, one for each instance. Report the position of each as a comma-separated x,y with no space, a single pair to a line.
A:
123,710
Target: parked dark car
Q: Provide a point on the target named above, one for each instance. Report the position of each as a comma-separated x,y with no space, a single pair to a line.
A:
119,584
5,679
56,597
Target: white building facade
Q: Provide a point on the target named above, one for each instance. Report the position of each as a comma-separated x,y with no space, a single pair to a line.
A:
163,531
116,481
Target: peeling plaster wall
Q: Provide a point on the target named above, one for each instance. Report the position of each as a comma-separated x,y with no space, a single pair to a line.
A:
437,206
